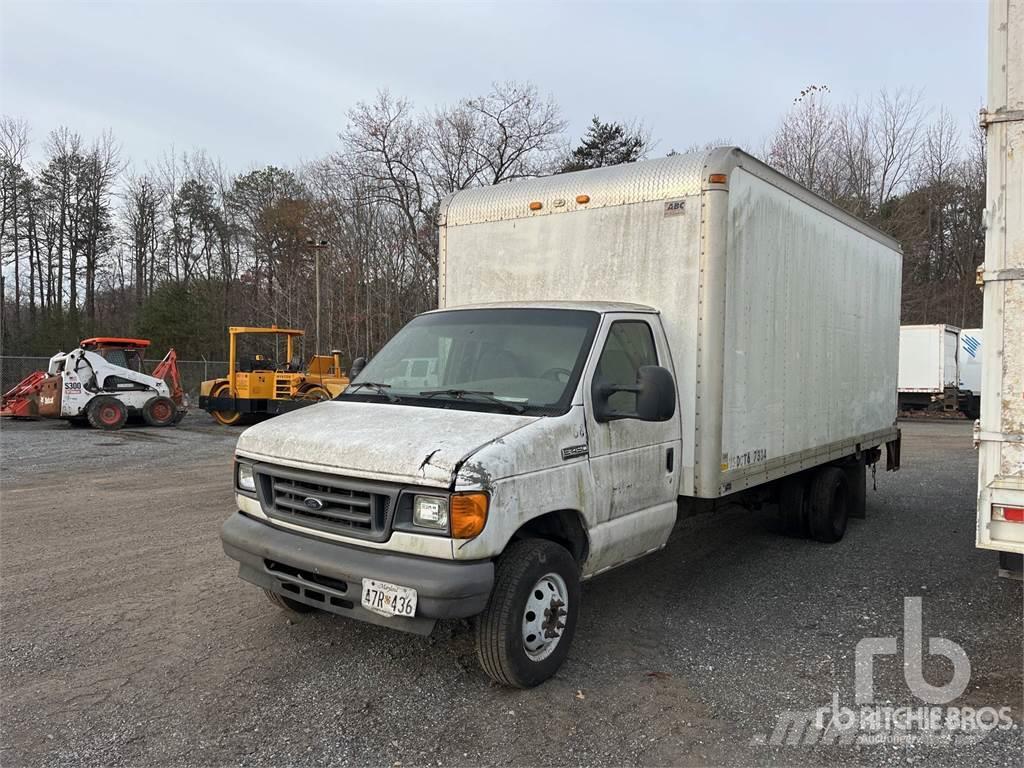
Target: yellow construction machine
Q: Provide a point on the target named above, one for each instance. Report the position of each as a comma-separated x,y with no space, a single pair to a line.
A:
257,386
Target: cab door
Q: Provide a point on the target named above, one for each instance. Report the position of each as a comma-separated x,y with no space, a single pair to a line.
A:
635,464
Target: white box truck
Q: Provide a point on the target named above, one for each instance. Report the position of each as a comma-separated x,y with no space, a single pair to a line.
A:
929,374
614,348
1000,433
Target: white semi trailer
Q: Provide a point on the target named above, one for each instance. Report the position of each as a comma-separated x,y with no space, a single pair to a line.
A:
614,348
1000,431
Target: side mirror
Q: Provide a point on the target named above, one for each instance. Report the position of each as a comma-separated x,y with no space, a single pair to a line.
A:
655,396
357,367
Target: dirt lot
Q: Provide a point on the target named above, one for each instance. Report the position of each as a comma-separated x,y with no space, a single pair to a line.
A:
127,638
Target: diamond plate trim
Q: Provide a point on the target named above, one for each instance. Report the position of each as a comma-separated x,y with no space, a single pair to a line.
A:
665,178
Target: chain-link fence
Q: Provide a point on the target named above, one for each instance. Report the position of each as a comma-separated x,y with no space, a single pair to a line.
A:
193,372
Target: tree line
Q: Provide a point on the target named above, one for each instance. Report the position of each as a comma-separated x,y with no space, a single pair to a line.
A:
90,244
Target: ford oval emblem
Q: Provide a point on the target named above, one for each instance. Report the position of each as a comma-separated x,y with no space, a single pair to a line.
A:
313,503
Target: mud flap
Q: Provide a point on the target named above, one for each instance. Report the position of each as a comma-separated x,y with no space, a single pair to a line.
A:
892,452
856,480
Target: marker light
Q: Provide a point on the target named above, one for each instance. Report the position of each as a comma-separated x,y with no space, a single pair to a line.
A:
536,205
582,199
718,178
469,514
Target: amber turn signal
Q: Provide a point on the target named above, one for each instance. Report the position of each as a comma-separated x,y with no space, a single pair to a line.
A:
718,178
468,513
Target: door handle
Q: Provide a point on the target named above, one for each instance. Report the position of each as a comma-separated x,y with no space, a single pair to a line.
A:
670,459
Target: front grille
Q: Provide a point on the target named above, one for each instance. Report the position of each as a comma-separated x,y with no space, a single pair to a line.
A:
282,387
326,503
312,586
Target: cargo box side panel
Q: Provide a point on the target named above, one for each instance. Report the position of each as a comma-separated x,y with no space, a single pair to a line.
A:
644,252
811,336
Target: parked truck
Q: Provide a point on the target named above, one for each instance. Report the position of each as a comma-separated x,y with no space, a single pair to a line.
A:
614,349
929,377
999,434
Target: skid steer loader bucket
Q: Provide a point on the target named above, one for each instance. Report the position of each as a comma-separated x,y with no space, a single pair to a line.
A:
20,401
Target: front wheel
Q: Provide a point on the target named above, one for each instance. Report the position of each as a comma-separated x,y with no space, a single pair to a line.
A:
524,634
227,418
105,412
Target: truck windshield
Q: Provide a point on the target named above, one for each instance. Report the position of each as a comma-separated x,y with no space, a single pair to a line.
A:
521,360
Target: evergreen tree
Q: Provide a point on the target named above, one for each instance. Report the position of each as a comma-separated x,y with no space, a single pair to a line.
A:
606,144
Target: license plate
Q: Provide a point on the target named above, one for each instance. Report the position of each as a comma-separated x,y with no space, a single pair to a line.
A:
388,599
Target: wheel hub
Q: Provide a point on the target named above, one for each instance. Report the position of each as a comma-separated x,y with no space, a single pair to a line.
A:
544,616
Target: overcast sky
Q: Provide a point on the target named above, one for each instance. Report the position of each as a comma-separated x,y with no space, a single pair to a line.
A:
270,82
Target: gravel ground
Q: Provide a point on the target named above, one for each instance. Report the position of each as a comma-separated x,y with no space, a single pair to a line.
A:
127,638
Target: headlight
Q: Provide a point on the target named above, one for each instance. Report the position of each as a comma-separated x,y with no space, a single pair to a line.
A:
246,479
430,512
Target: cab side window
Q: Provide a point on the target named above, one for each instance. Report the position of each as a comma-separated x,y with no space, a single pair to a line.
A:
630,345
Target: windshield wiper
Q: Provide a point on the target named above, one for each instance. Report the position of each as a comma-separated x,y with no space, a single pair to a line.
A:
462,394
377,387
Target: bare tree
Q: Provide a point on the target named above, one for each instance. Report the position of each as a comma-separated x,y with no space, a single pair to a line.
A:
142,215
803,146
897,132
14,140
520,132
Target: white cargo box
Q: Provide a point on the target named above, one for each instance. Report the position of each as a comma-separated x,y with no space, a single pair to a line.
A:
929,358
781,310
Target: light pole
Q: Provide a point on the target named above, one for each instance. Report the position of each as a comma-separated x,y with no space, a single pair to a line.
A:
317,245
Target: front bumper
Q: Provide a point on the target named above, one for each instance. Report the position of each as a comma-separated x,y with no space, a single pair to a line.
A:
329,576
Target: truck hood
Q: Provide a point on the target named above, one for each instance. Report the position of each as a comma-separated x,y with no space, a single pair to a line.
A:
410,444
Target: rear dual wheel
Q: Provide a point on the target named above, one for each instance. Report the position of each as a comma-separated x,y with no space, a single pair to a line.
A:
815,504
830,505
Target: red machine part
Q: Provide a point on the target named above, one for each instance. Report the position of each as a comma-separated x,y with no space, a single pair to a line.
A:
112,341
18,402
167,369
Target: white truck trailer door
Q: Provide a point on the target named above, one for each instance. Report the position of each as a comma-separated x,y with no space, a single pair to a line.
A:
635,463
950,357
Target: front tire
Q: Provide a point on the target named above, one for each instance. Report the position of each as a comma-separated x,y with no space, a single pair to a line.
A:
524,634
